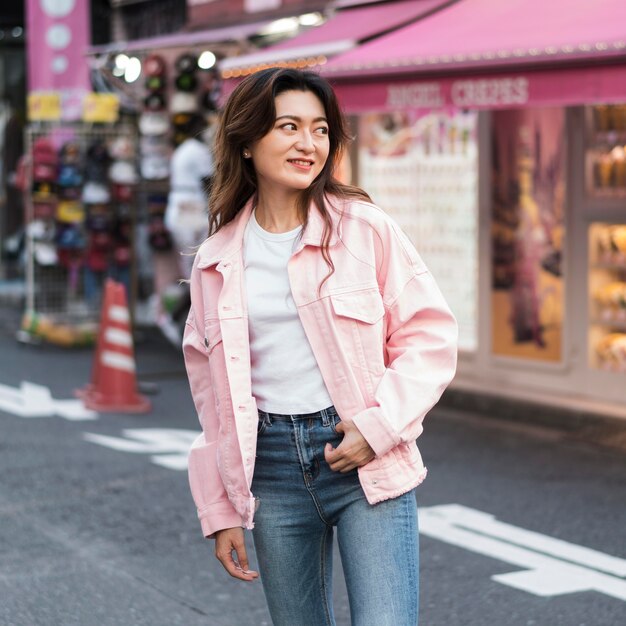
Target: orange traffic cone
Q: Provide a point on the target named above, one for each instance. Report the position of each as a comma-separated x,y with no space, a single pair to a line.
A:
107,300
113,386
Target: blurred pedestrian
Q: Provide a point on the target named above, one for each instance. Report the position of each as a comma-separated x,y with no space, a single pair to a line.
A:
316,344
186,216
191,170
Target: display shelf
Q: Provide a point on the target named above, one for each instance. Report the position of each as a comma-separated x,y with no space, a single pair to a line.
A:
607,297
605,159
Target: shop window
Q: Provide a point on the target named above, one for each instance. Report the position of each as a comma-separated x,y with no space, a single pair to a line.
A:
422,168
527,233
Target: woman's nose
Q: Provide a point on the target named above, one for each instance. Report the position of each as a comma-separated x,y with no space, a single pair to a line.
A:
305,143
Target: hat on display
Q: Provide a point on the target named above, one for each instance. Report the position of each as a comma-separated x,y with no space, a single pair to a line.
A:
98,222
122,148
98,152
155,167
101,240
155,83
44,152
154,102
44,209
122,254
122,193
183,102
123,173
44,172
44,191
154,65
45,253
154,123
156,145
70,193
159,237
70,237
208,100
156,203
95,193
186,63
70,212
186,82
70,176
39,230
70,153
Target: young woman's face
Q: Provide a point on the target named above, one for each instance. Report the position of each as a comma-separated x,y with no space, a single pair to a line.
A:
295,150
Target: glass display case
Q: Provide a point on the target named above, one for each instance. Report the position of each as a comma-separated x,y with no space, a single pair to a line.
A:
607,295
606,151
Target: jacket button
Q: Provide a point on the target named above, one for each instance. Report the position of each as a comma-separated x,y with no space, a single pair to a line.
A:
234,358
374,482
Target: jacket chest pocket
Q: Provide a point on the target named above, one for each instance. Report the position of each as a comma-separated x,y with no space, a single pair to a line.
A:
359,319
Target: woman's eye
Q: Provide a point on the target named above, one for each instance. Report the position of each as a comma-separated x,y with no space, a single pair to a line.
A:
323,130
289,126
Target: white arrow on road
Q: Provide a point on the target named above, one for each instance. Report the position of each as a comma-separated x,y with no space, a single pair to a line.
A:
551,567
169,447
30,400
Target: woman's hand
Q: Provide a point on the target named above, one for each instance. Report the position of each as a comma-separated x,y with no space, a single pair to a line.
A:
228,541
353,451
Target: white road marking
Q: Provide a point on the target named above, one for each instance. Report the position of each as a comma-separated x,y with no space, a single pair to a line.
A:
169,447
30,400
552,566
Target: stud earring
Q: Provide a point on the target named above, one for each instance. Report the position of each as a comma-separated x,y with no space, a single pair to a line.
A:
246,154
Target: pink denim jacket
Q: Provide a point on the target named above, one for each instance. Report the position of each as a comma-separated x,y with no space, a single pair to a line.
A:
382,334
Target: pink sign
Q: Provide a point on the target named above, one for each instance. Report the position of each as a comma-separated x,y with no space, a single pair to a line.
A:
58,35
562,87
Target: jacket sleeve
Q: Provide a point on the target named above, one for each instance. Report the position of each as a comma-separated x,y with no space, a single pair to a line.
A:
421,346
214,508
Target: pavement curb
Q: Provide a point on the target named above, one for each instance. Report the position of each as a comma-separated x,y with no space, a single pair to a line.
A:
581,425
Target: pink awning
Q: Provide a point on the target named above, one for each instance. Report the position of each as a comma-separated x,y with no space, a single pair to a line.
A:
344,30
488,33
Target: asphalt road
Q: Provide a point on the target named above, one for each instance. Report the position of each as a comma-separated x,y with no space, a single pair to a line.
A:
92,533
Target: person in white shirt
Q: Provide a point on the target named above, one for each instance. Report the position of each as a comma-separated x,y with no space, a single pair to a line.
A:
186,215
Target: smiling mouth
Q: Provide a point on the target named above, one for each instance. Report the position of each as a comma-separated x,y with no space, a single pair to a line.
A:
301,162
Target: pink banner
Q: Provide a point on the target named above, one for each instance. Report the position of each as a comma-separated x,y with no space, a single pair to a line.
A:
58,35
560,87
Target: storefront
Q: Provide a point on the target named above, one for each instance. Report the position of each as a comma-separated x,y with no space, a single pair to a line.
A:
496,138
495,134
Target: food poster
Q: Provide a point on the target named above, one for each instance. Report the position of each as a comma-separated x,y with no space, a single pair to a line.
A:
527,233
422,168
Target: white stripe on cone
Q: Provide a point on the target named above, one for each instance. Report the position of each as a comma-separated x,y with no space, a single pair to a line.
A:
118,337
118,361
119,314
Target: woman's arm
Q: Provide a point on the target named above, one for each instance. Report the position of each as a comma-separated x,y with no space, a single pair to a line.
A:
214,508
421,345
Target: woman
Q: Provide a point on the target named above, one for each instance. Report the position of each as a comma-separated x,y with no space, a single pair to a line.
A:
316,344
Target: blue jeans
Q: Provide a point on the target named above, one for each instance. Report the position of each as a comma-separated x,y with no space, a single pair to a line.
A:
301,502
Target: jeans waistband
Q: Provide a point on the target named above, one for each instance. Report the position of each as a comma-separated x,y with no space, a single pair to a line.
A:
324,415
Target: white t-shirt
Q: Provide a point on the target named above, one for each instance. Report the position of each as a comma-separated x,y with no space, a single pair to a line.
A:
191,162
285,376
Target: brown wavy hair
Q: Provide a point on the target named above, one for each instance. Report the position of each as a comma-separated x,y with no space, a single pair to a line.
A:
248,116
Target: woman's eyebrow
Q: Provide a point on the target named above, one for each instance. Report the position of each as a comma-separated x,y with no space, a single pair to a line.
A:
299,119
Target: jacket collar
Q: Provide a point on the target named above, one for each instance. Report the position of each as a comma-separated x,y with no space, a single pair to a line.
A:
227,241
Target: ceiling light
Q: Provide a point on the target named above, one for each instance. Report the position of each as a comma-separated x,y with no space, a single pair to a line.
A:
282,26
121,61
133,70
310,19
207,60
